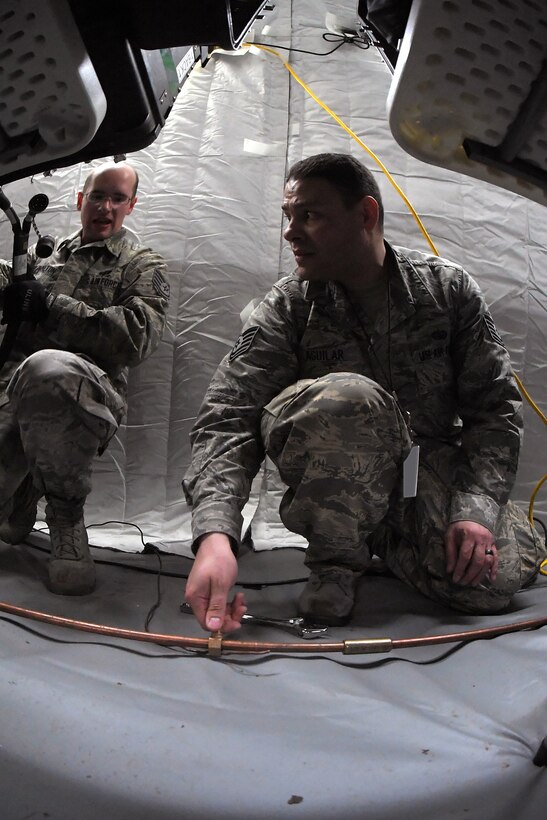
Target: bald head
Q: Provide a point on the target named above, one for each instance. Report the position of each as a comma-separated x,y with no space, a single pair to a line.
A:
124,167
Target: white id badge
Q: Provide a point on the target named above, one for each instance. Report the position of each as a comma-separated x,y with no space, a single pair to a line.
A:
410,472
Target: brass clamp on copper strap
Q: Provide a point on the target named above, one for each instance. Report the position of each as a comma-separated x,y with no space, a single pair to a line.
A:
214,644
364,646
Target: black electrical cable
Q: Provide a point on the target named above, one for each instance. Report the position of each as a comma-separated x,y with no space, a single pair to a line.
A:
175,651
154,607
123,523
149,547
329,37
217,643
361,40
178,652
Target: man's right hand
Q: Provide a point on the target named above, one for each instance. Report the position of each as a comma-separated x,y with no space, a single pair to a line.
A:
213,575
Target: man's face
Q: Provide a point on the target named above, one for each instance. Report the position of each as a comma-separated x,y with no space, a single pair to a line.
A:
105,203
326,237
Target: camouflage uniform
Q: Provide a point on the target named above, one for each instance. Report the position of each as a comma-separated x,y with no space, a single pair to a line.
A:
336,398
63,390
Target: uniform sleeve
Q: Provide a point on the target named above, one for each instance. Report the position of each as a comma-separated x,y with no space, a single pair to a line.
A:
490,408
226,443
5,276
124,333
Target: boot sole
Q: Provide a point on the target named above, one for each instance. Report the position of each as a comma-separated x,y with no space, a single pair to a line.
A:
66,580
75,590
324,620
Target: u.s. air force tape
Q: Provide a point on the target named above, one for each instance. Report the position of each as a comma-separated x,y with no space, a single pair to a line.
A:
243,343
491,327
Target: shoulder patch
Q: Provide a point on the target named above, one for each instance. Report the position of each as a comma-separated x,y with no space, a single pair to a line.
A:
492,331
243,343
160,285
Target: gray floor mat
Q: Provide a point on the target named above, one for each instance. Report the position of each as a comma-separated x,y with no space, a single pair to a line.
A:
93,726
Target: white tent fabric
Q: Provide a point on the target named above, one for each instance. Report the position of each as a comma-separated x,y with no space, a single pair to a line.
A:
210,194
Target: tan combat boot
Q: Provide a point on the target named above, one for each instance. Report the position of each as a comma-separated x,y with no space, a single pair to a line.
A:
71,568
329,594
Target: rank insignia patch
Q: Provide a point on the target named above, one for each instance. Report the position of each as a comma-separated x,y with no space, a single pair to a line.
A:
160,285
491,327
243,343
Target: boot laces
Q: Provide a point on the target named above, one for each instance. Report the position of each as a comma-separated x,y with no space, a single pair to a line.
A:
344,578
67,538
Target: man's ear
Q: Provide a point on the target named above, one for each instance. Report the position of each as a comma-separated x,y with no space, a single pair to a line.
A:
79,200
132,204
370,211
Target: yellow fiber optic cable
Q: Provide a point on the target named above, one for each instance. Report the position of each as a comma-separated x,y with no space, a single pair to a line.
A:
533,496
356,138
535,491
529,399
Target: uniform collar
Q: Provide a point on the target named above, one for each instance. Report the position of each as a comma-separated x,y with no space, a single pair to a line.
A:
402,299
412,283
114,244
400,272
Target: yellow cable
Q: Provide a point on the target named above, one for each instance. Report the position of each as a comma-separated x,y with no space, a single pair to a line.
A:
356,138
541,414
414,214
533,497
529,399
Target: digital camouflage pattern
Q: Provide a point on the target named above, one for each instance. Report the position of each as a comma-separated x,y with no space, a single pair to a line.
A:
107,308
339,442
62,409
435,350
411,541
107,301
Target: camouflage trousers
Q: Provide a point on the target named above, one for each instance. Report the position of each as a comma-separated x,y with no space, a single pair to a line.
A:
61,411
339,443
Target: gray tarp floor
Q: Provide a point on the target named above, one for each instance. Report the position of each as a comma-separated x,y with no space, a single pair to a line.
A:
97,727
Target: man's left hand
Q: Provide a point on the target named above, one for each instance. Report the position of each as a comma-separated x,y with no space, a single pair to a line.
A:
24,301
471,554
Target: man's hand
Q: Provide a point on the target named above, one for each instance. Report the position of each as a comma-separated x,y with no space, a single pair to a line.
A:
471,553
24,301
213,575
